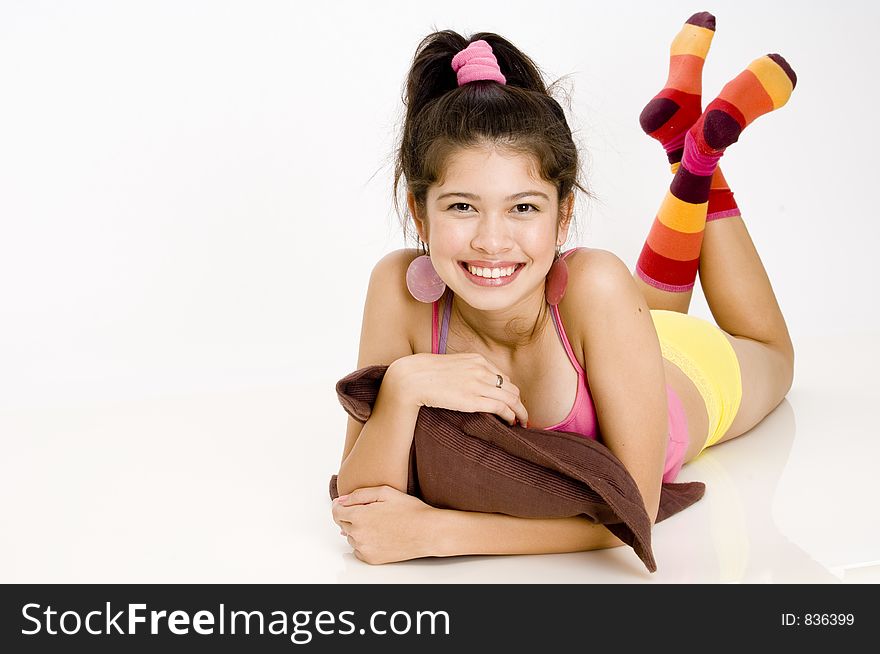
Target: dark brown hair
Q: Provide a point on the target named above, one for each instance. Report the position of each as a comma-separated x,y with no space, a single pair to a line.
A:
441,117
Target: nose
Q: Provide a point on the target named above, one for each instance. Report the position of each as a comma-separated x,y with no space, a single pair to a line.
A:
493,233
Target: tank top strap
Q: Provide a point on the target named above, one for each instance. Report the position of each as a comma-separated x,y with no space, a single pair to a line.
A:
567,252
444,326
434,312
560,328
438,338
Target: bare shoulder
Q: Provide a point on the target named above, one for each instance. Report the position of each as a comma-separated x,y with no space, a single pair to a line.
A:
600,289
596,275
389,311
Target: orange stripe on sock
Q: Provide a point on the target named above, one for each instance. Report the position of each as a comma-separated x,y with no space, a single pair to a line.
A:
692,39
773,79
682,216
686,73
718,181
746,93
674,245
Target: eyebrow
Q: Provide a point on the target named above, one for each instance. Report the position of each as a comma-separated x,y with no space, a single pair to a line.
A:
515,196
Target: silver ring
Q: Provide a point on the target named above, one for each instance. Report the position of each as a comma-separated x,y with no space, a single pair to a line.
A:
499,382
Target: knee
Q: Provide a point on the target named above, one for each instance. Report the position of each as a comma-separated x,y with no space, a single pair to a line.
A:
785,350
786,368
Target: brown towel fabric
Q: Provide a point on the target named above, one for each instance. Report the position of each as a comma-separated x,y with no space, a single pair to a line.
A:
477,462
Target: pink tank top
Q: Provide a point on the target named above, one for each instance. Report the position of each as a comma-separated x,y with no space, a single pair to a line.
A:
582,417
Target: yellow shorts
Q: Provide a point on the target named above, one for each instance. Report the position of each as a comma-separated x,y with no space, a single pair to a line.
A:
703,353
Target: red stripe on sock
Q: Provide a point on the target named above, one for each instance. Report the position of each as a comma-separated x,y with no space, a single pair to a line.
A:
667,271
720,200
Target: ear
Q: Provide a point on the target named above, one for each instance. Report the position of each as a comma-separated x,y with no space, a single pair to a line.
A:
413,210
566,209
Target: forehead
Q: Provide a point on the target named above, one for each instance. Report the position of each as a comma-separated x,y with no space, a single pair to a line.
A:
490,167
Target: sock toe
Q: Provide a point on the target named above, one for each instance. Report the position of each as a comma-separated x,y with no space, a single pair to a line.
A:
702,19
784,65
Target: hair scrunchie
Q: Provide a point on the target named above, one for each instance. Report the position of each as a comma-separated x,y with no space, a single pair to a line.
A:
476,62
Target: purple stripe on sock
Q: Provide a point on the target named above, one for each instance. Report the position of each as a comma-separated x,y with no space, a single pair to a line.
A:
690,188
663,287
727,213
697,162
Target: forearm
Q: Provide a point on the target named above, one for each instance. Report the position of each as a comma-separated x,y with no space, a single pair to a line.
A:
381,453
469,532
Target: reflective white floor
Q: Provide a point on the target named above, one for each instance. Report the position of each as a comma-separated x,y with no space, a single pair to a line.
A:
232,487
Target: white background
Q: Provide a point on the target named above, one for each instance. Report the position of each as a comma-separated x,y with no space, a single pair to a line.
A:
193,195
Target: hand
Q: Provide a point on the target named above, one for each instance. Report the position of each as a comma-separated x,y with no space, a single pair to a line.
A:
461,382
384,525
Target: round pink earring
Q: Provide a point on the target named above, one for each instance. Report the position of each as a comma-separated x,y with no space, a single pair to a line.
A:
557,280
423,281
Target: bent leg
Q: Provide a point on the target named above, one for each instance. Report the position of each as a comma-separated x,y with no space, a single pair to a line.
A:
744,305
737,287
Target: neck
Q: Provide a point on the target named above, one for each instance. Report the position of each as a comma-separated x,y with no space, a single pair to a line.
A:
508,329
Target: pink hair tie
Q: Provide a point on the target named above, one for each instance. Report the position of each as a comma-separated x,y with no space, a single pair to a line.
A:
476,62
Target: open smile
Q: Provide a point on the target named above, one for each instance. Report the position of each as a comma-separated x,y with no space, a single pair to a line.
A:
494,276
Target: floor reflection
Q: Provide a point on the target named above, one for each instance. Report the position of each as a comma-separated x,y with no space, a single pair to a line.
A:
738,539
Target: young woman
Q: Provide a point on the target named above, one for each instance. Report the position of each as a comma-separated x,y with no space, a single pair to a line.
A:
566,341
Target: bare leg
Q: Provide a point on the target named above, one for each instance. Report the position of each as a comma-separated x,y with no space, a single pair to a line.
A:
660,299
744,305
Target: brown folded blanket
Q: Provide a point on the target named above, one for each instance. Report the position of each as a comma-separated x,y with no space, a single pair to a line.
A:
477,462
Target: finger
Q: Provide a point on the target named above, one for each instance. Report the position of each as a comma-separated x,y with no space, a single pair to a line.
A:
521,413
499,408
341,513
514,401
509,393
359,496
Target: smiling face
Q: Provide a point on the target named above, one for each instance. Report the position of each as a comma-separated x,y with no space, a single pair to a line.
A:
492,227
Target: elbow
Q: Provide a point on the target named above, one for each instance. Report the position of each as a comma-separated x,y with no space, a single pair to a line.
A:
341,487
345,485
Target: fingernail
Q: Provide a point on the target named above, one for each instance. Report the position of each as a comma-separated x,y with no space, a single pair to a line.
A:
342,497
527,424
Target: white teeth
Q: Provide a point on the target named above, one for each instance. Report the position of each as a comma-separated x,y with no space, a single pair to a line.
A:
491,273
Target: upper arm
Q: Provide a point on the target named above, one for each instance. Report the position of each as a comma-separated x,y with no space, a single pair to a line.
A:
385,324
624,367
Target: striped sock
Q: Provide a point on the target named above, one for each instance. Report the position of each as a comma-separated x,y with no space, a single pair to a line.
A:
721,202
676,108
671,256
672,112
